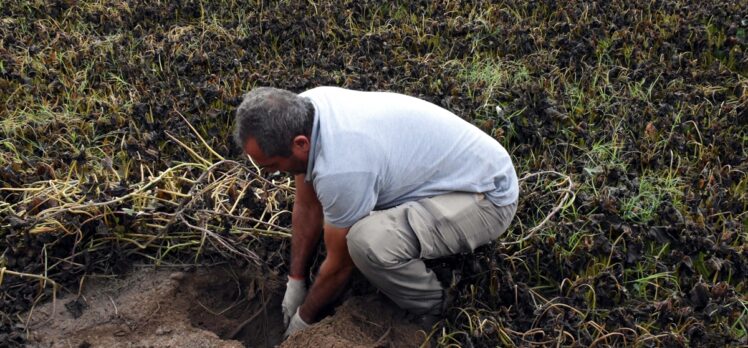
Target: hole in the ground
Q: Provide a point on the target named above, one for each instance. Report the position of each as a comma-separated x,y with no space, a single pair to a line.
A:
243,307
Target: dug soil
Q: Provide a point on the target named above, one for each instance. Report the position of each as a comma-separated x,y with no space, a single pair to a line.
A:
209,307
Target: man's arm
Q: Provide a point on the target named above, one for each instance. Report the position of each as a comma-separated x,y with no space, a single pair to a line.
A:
306,225
333,274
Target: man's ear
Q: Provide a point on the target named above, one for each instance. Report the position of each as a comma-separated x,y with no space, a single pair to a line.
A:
301,143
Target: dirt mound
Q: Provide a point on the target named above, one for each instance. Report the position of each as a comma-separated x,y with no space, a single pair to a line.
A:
214,307
370,321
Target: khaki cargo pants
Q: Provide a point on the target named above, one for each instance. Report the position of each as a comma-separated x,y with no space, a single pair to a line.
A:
389,246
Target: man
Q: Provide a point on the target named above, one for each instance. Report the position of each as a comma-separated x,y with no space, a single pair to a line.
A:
391,179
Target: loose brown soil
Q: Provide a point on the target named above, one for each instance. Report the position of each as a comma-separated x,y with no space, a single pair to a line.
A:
214,307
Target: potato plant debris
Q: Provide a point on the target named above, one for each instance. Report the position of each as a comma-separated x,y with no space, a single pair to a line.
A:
627,118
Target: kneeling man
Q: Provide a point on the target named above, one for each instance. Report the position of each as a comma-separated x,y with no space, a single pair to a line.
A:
390,179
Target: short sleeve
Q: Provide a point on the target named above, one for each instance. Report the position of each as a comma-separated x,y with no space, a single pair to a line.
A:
346,197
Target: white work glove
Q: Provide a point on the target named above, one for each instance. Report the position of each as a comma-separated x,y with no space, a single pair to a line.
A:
295,294
296,324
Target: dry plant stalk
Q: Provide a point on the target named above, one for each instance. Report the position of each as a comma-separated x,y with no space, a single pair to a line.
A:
223,184
566,199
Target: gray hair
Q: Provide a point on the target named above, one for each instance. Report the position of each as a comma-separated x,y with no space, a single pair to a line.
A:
274,117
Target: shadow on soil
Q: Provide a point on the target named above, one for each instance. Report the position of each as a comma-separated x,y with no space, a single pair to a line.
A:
239,308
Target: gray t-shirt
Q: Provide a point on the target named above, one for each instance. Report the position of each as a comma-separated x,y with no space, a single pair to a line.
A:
376,150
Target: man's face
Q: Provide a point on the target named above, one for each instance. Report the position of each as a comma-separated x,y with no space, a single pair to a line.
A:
294,164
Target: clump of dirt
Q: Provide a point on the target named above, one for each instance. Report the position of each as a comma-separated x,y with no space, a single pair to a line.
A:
364,321
210,307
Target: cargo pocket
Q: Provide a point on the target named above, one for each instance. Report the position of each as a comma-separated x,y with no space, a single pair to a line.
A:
442,225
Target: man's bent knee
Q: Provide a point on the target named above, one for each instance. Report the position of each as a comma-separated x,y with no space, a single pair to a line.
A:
362,243
357,244
380,242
